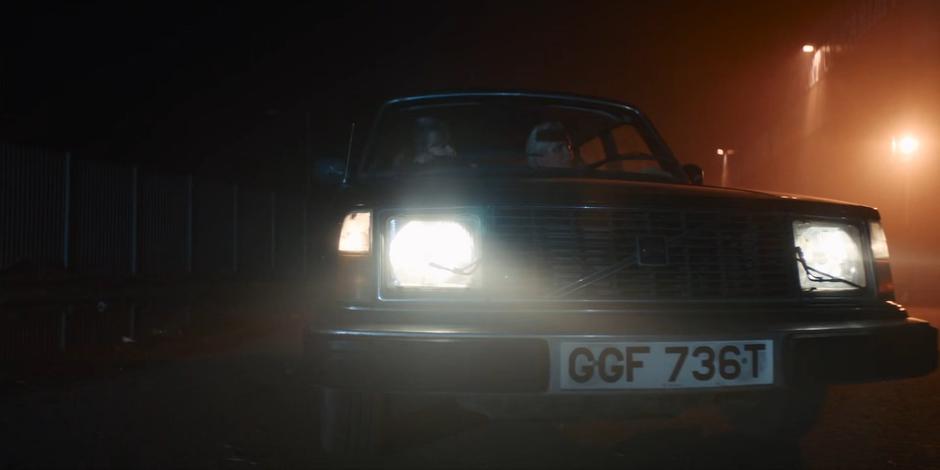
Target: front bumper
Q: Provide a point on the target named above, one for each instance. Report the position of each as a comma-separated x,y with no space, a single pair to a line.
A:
512,356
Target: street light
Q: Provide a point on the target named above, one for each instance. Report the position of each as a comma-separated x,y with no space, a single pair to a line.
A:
724,154
809,48
906,146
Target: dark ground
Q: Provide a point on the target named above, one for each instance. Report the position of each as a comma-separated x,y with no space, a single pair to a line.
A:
241,401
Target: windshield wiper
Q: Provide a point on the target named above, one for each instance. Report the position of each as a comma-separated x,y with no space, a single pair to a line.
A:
463,271
816,275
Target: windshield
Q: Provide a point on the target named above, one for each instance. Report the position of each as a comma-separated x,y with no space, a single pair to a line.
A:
512,135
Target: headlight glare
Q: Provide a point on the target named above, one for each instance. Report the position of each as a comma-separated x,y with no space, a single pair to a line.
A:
433,253
831,254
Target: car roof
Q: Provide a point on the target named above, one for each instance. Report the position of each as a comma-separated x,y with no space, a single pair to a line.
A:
571,97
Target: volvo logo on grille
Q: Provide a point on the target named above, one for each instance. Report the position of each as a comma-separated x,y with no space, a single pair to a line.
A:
651,251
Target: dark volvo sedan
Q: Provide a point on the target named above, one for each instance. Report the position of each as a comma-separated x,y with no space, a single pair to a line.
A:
545,256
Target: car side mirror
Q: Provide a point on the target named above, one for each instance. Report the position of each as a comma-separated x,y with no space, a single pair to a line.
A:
695,173
330,171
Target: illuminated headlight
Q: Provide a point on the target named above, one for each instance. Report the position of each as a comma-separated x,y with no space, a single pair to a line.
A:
434,253
829,256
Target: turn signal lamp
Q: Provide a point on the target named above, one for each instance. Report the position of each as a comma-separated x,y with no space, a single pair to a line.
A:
355,237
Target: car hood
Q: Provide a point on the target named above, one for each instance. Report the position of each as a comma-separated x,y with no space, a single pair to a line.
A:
437,192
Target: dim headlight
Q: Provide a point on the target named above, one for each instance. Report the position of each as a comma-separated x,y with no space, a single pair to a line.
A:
829,256
433,253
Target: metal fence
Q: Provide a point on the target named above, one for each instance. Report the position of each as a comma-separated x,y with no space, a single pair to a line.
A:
165,228
102,219
69,225
34,209
215,209
95,219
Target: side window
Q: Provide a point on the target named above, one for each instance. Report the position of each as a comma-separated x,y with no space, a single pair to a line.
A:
592,151
628,140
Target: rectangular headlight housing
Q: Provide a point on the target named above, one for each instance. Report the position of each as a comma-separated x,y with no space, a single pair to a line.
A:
829,256
434,252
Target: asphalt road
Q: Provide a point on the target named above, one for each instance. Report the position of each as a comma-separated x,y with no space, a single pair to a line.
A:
246,404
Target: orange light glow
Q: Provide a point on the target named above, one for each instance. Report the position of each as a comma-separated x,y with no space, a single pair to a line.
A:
909,145
906,145
809,48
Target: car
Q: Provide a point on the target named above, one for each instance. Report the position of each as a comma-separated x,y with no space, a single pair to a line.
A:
534,255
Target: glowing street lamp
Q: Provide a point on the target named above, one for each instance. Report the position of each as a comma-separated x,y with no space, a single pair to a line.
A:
724,154
907,147
809,48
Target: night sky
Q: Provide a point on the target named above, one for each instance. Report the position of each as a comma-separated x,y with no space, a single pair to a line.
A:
225,90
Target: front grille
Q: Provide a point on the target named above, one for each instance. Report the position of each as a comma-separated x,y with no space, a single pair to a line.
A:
677,254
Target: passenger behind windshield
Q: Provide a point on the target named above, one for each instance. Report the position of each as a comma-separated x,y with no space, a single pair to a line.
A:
549,146
431,144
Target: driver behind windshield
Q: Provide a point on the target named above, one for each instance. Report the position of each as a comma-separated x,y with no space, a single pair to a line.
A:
549,146
432,143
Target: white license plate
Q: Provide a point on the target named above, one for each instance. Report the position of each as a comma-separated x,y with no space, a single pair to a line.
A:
668,364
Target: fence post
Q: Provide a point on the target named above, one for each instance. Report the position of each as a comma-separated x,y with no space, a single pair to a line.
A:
273,231
303,240
189,224
234,228
132,322
63,326
134,204
67,211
